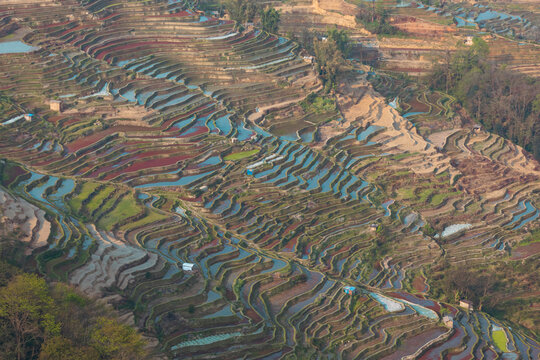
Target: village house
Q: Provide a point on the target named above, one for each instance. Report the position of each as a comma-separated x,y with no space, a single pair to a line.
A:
466,304
56,105
349,290
448,321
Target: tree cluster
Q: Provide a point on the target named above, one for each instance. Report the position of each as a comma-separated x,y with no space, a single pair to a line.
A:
46,321
457,283
330,54
375,20
502,289
244,11
505,102
270,19
38,321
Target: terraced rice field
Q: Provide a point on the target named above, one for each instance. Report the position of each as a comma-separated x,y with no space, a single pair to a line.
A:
145,169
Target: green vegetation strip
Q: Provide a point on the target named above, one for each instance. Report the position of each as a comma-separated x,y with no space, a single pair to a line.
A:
241,155
499,337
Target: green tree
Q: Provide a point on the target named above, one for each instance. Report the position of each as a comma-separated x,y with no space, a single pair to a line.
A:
536,104
330,61
241,11
61,348
270,19
235,9
27,307
113,340
342,39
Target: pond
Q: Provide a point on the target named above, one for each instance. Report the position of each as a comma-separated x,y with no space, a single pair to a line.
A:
213,160
394,102
243,133
226,311
15,47
224,124
389,304
529,209
368,131
12,120
452,229
462,22
386,206
289,137
183,181
206,341
410,114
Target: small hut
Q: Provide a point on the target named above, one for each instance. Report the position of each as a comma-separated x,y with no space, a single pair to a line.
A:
188,266
28,117
448,321
349,290
466,304
249,172
56,105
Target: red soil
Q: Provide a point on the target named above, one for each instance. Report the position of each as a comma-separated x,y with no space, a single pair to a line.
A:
452,309
52,158
107,48
277,301
490,354
293,226
229,295
410,345
419,284
291,245
248,37
13,173
434,353
205,246
136,166
63,24
71,121
85,169
417,106
252,314
272,245
109,17
200,130
76,28
92,139
190,199
523,252
56,119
